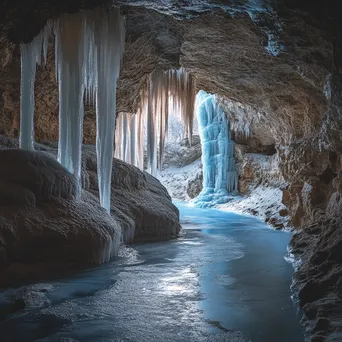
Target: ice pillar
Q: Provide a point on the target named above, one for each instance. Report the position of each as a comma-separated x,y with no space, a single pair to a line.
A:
220,176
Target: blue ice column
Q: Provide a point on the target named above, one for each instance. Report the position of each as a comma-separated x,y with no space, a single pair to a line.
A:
220,176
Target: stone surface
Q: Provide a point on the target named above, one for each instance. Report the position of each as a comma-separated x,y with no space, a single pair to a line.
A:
290,102
318,280
49,225
182,154
195,185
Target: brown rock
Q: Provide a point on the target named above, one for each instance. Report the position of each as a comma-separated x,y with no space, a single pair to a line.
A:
283,212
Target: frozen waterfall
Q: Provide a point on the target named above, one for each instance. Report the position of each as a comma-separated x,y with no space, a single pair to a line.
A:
220,176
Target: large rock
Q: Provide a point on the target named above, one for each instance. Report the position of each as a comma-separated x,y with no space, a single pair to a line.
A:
49,225
318,280
195,185
138,200
180,154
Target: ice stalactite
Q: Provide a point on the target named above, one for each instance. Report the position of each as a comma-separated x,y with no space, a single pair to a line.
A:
71,41
118,136
89,48
109,40
31,55
183,91
140,139
220,176
169,93
127,135
166,93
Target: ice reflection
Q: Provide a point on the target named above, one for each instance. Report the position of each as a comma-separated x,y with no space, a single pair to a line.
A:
226,274
185,282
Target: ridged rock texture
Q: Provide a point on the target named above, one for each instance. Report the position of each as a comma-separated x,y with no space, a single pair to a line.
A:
287,104
50,225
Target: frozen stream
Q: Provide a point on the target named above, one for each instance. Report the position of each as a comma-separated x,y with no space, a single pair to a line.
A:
225,275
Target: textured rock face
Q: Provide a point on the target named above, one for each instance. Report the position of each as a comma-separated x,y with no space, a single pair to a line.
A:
318,279
225,53
48,225
138,200
261,182
195,185
182,154
290,102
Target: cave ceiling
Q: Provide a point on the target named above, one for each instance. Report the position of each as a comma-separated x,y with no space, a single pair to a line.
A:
275,61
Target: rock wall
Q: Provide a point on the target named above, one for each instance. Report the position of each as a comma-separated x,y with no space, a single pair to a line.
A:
50,226
289,102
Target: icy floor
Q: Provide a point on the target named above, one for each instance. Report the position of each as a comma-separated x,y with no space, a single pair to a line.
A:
263,202
224,278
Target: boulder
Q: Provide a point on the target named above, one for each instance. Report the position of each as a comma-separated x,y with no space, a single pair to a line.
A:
50,225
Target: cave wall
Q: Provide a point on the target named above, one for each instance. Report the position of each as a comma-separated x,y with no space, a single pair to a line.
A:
290,102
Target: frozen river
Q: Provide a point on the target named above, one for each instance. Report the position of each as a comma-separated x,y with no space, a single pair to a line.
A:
224,279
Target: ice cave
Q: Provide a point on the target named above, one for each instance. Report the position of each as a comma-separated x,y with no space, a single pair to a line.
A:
170,171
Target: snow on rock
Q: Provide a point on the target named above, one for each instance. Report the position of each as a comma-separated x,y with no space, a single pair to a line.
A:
263,202
176,179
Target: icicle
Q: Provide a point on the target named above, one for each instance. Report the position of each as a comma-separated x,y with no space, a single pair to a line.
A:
124,137
166,93
118,136
88,53
133,136
219,171
71,38
169,93
31,55
151,129
109,34
28,74
182,88
140,139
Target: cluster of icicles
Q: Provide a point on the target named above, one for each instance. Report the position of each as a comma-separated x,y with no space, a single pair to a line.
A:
88,53
167,93
89,48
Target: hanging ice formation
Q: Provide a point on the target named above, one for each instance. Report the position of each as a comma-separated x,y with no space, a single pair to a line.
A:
167,93
220,176
70,32
128,138
31,55
89,47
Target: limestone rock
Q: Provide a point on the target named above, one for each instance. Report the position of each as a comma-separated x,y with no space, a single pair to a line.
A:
182,154
49,225
195,185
